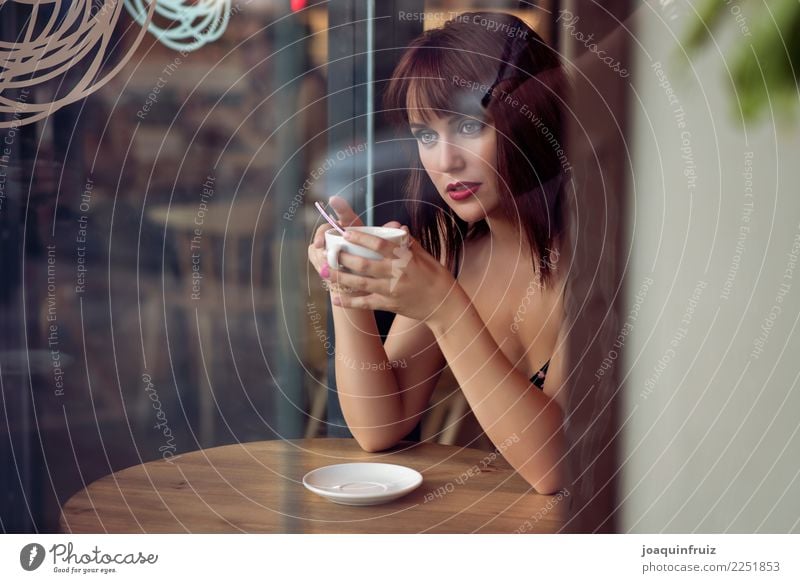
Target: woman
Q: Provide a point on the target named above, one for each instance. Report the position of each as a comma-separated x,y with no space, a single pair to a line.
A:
479,288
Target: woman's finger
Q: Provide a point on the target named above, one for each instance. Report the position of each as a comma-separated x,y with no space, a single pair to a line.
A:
369,267
344,213
317,259
357,282
393,225
368,302
377,244
319,235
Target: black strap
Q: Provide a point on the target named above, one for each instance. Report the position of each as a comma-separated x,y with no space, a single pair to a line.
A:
539,377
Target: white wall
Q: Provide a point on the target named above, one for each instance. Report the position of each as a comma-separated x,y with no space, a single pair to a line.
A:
711,443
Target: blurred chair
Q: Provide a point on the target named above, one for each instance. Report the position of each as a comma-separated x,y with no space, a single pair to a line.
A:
213,286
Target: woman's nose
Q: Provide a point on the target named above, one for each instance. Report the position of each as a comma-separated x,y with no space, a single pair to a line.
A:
450,156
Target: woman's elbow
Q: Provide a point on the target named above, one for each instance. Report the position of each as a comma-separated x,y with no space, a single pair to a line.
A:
547,488
375,439
548,484
374,445
370,447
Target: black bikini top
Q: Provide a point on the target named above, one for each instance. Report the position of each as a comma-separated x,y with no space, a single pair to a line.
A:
538,378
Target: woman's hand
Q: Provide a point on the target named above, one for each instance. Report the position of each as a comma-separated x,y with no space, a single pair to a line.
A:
407,281
346,218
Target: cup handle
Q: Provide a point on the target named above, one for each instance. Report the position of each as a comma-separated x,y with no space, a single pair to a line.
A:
333,257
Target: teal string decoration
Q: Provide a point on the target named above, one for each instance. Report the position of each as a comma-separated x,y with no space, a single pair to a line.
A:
193,23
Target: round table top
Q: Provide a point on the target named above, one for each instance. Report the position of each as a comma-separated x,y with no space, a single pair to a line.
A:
257,488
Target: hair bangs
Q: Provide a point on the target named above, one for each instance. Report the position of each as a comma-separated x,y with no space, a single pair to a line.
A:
435,80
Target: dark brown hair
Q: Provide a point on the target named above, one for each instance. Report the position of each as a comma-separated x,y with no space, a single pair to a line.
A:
495,67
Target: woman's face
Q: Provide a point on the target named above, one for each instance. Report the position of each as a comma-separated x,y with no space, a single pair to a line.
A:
459,152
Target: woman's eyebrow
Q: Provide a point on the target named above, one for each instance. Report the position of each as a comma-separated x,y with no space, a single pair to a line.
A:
453,117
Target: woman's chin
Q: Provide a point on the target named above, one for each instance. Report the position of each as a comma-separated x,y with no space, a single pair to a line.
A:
470,210
471,214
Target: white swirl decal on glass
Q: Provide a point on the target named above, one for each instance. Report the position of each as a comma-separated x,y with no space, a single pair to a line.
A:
56,37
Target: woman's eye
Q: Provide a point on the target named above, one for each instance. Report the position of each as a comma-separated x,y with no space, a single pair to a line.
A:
425,137
471,127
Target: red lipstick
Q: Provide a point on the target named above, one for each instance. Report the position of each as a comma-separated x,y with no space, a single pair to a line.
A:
462,190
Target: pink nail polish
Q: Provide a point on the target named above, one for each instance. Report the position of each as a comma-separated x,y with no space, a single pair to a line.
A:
325,271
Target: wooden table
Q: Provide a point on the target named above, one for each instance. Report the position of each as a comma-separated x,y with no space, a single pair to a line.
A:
257,487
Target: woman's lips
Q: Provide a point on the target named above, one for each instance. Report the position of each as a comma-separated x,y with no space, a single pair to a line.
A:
462,190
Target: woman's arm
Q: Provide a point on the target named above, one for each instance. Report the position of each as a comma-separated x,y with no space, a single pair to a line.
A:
383,388
409,281
508,407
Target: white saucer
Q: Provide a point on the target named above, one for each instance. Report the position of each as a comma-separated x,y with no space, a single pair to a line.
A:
362,484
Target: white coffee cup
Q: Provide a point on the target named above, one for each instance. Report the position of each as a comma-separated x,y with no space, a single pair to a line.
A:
335,243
